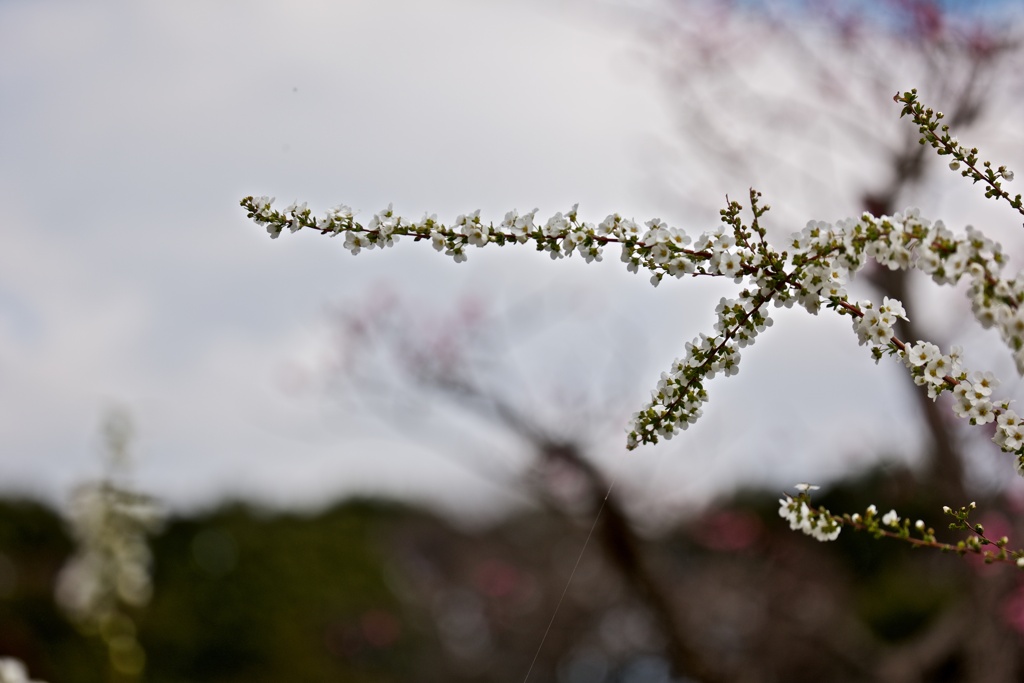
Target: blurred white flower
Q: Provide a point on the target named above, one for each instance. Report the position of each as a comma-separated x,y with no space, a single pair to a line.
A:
13,671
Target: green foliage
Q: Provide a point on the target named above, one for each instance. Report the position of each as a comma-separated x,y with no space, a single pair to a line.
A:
239,596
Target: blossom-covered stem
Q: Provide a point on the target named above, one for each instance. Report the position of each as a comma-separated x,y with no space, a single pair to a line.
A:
812,271
728,336
902,530
894,340
960,548
814,275
937,135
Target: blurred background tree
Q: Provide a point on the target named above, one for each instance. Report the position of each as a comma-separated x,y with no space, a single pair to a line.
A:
795,99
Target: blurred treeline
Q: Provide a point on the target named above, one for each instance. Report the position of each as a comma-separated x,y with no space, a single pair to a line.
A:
376,591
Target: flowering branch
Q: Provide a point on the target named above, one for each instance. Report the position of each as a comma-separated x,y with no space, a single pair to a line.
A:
819,523
937,135
823,258
811,271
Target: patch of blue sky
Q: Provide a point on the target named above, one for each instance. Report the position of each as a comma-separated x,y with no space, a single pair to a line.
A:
897,14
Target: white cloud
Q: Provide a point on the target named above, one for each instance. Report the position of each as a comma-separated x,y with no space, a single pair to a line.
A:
129,273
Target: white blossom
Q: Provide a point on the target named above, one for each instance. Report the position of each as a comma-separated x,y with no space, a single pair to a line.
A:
817,524
112,560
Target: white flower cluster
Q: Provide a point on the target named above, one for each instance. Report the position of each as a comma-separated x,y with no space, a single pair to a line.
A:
818,524
13,671
904,241
814,274
112,561
677,400
972,394
932,369
830,254
875,327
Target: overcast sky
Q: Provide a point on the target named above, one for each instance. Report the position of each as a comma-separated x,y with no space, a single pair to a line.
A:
130,277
